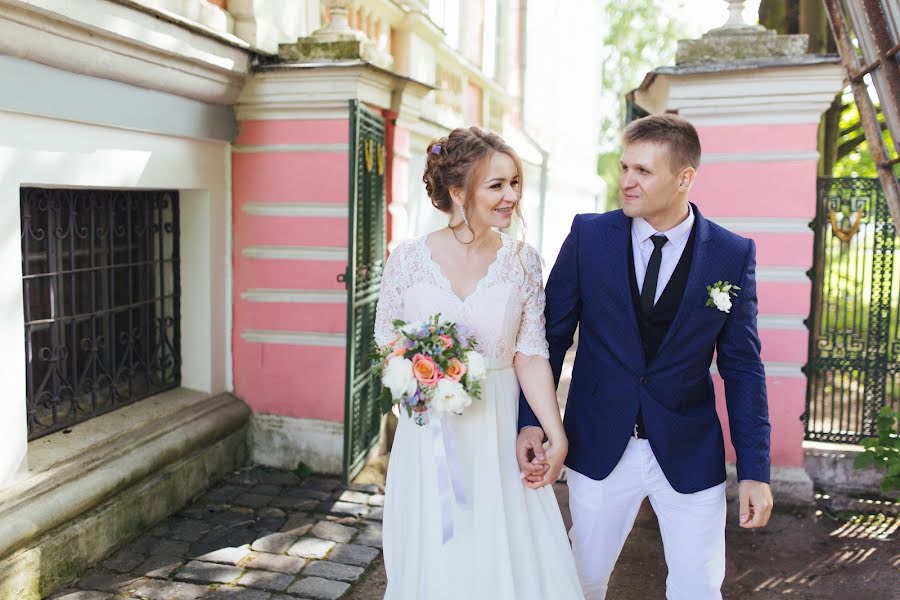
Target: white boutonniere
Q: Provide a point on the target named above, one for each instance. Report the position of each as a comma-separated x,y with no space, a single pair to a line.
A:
720,294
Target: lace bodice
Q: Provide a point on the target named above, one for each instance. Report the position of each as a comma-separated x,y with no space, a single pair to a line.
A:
505,310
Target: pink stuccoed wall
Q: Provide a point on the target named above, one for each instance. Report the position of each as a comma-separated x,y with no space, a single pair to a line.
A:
292,380
738,182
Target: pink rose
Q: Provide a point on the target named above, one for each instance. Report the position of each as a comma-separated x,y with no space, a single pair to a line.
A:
446,341
426,372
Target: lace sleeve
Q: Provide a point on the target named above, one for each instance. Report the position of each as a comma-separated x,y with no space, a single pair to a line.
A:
532,337
390,298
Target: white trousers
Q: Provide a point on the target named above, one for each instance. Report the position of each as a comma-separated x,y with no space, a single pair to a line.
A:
692,526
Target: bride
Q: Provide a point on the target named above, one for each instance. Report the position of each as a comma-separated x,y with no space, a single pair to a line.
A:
508,542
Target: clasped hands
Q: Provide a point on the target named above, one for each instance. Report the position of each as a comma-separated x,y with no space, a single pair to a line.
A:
539,465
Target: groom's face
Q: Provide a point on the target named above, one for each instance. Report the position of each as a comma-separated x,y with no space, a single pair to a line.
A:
650,188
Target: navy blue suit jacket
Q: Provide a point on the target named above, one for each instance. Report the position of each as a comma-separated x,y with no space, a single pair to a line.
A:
589,288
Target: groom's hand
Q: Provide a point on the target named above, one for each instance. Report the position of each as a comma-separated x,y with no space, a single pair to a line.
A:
531,457
756,503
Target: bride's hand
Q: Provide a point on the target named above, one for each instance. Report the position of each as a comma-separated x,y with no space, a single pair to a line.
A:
555,456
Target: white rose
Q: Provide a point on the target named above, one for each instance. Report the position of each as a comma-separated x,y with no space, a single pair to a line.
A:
722,301
398,377
475,363
450,396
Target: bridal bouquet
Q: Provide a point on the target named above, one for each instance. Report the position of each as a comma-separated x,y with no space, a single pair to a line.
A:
430,365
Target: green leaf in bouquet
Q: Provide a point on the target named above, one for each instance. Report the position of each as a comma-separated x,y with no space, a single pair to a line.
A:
387,401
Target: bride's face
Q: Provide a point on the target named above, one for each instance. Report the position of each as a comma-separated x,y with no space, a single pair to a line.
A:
495,193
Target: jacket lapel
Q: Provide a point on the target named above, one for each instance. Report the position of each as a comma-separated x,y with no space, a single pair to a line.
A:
698,278
619,286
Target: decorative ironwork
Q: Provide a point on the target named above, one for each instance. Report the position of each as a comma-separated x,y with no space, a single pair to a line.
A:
100,277
854,358
362,420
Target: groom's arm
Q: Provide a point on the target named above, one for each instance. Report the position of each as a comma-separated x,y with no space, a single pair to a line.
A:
740,365
562,311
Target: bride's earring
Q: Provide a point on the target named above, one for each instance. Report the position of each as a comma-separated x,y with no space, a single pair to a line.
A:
462,213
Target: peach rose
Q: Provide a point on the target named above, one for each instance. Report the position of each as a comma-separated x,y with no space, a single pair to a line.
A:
396,352
455,369
425,370
446,341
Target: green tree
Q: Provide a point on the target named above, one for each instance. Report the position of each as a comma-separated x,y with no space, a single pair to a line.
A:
640,37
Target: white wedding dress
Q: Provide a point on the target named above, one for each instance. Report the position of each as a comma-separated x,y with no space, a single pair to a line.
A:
511,543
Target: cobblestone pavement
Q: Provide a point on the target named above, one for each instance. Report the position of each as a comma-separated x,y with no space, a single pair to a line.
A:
260,534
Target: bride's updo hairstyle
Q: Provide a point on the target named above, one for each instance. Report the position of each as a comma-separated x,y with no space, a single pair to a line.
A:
458,160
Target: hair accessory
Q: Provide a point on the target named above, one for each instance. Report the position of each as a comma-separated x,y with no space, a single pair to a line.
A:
436,149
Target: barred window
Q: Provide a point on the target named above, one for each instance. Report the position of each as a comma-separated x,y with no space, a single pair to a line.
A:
100,277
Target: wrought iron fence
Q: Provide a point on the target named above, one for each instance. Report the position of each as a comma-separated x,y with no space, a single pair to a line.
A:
854,358
100,277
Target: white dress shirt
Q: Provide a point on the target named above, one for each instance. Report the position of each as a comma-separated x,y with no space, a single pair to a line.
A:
641,232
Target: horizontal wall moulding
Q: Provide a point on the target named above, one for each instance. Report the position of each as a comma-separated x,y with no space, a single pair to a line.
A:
295,209
781,322
297,296
787,274
295,253
262,148
764,224
774,369
294,338
731,157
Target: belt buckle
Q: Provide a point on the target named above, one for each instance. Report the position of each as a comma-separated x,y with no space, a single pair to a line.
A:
636,436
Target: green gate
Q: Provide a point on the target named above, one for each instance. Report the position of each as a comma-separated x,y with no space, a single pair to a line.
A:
362,414
854,357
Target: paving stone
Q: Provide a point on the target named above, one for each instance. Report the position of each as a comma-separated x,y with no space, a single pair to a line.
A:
243,478
233,517
268,525
231,537
223,494
279,478
123,562
267,489
228,556
325,484
271,513
197,511
169,547
110,582
158,566
155,589
274,562
376,500
319,589
376,513
328,530
308,493
333,570
274,543
189,530
370,536
208,572
252,500
352,497
231,592
353,554
311,548
369,488
266,580
298,525
294,503
81,595
344,508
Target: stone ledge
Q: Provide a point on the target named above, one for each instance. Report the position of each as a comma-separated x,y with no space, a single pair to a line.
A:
791,486
124,471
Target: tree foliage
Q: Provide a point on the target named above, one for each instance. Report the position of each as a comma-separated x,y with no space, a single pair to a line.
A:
640,37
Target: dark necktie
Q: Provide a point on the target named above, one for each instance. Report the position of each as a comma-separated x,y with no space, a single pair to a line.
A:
648,292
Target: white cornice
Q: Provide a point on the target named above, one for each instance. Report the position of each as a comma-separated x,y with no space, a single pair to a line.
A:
765,95
112,41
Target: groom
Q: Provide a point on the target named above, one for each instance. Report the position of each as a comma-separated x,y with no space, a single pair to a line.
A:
641,414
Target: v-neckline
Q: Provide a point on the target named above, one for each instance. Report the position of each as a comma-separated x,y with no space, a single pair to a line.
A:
439,272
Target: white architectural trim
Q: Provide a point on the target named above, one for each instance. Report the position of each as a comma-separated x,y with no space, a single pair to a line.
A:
786,274
296,209
764,224
296,253
107,39
295,338
791,322
284,442
741,157
295,296
774,369
254,148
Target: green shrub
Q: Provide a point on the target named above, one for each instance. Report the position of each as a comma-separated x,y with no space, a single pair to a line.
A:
884,451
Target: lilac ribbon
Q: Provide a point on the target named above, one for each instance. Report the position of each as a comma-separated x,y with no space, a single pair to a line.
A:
449,475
